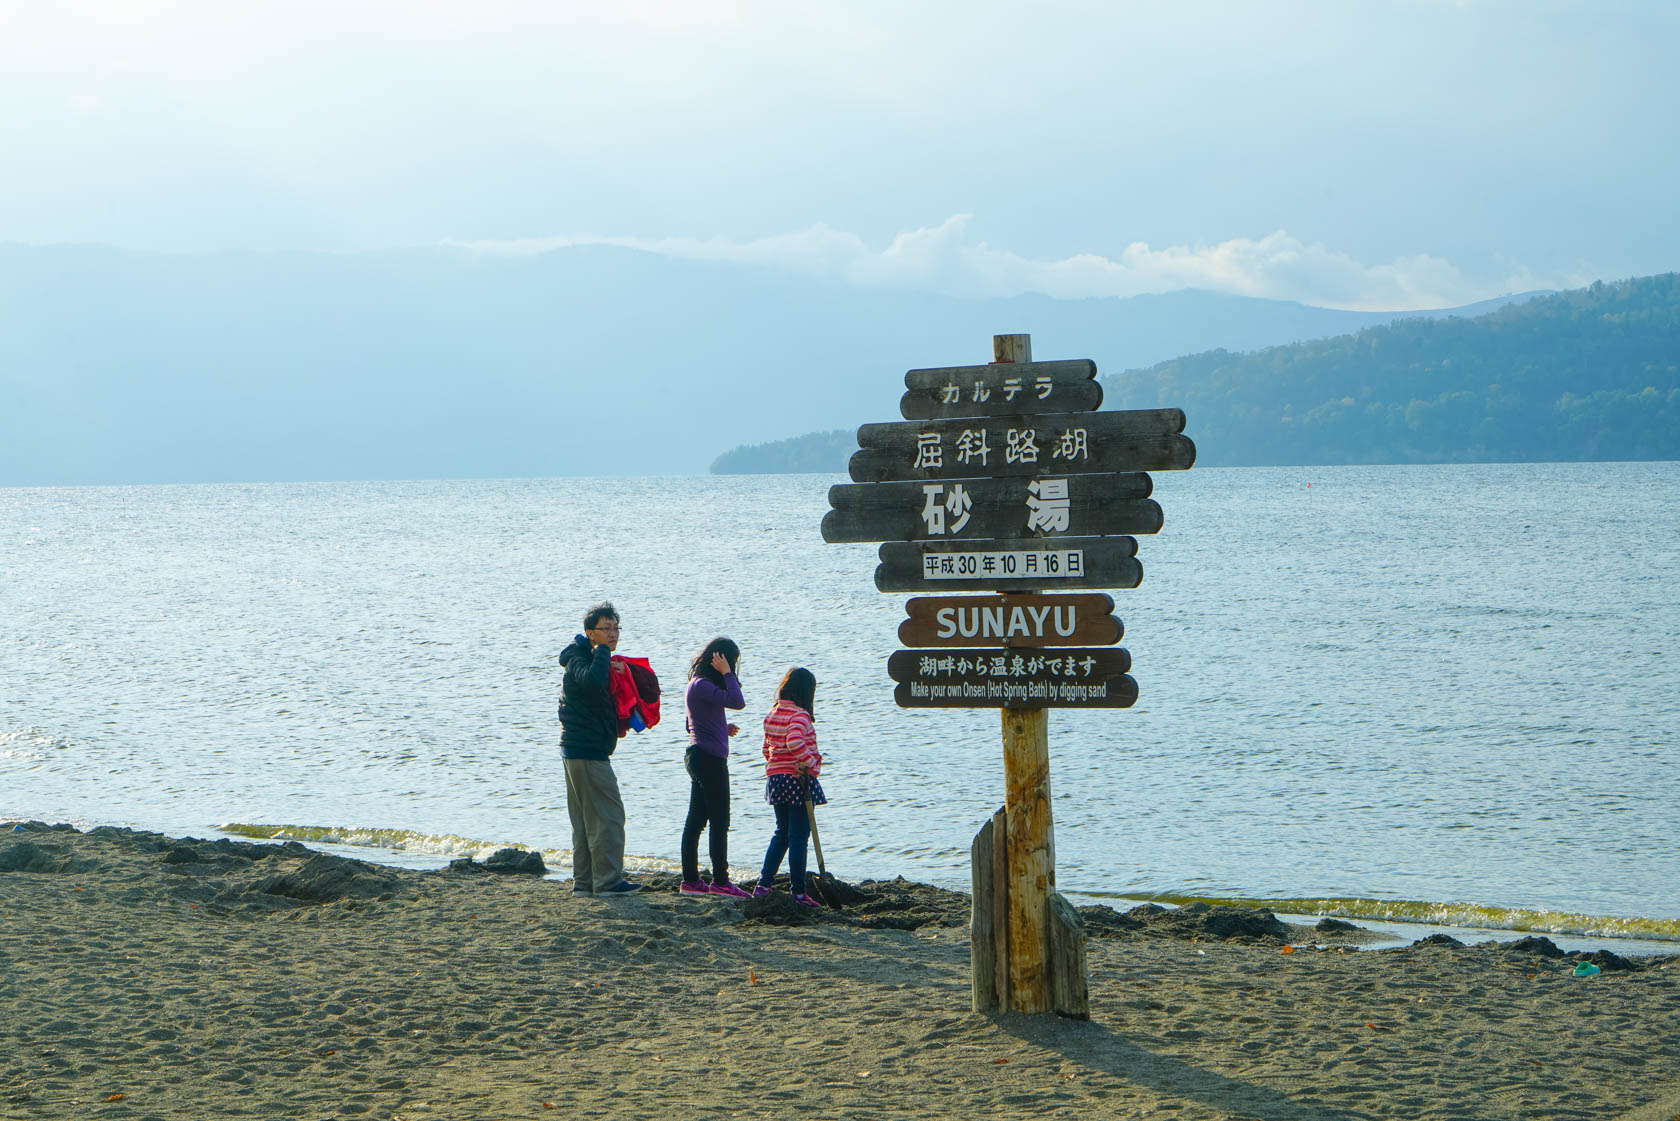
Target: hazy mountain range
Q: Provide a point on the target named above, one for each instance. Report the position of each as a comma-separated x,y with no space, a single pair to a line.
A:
123,366
1592,373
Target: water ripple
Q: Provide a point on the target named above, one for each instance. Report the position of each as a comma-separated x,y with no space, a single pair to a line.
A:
1389,686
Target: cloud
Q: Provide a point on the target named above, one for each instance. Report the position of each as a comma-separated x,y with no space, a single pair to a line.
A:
945,259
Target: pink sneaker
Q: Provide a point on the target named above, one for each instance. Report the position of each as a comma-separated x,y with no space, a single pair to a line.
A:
806,901
726,888
693,887
761,891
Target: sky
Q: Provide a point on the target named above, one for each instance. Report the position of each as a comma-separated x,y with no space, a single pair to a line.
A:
1372,154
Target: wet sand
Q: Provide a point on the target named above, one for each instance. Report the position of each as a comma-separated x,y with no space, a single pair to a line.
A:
146,977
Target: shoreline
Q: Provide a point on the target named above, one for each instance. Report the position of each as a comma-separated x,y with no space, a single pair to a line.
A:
1398,931
386,847
226,978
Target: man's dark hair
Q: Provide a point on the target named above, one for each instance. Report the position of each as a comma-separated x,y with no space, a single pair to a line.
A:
602,610
800,687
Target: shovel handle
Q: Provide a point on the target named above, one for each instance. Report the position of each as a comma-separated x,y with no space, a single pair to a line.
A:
811,816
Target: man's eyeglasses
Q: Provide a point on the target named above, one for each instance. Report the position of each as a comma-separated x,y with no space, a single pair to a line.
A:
605,628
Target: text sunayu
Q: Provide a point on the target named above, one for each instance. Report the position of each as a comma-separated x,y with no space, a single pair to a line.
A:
1005,622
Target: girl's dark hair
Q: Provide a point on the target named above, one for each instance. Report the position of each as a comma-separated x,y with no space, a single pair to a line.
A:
702,666
800,687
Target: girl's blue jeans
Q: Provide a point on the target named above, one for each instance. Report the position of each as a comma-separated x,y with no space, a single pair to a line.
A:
793,832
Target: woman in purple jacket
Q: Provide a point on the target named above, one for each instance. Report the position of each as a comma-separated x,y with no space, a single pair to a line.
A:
712,688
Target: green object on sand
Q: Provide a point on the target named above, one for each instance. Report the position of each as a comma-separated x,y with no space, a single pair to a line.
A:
1585,969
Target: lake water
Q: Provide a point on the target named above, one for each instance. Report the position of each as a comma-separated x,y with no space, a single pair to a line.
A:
1442,693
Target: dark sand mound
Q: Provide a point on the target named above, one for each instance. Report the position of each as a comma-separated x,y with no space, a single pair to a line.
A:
1194,921
506,862
327,879
40,859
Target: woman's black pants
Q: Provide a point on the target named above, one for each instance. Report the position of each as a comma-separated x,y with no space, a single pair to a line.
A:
708,802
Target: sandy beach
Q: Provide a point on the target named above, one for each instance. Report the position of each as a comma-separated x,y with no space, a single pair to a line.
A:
147,977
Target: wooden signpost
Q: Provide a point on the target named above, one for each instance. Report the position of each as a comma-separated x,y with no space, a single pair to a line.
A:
1003,478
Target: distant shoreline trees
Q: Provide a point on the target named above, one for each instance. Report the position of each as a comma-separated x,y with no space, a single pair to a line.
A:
819,452
1589,374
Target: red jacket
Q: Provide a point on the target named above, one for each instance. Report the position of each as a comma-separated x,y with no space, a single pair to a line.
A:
635,693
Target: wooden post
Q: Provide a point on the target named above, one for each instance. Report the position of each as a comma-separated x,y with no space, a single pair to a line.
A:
988,924
1026,944
982,952
1026,776
1011,348
1000,908
1070,991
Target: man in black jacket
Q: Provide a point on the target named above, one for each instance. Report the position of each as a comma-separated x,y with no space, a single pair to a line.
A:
588,735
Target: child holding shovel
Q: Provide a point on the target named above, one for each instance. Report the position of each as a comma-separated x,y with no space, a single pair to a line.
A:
791,766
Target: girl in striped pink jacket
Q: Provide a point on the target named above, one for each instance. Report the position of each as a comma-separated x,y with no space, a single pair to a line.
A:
791,766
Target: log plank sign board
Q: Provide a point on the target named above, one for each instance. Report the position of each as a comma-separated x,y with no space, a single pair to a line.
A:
1031,445
1067,505
1018,565
1014,387
1010,620
1094,677
1003,478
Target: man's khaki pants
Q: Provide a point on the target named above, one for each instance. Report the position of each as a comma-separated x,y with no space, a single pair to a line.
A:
597,814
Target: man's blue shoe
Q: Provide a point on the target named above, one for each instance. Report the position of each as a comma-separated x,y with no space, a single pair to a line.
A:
623,887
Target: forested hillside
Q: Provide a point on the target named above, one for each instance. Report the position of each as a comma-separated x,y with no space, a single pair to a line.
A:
1587,374
1592,373
816,453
